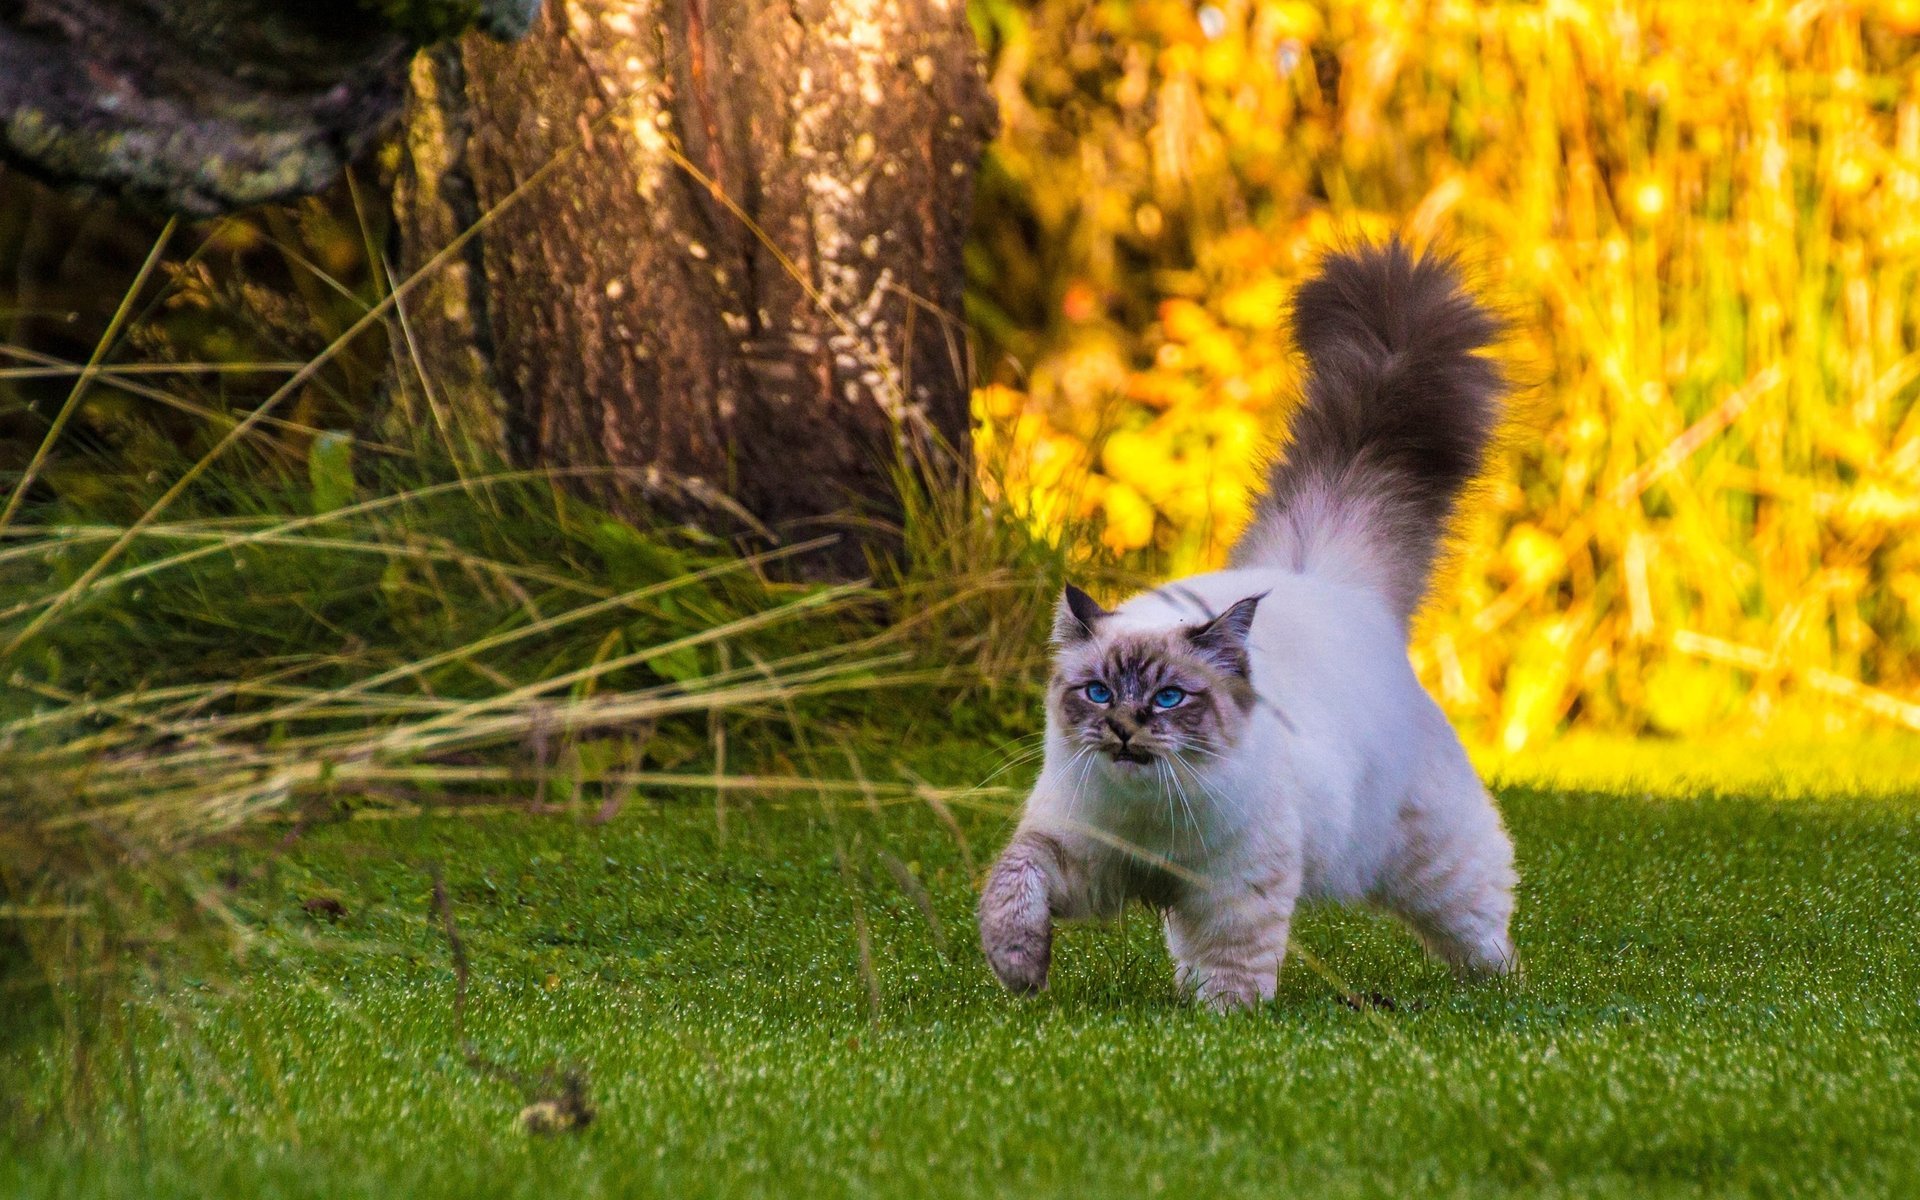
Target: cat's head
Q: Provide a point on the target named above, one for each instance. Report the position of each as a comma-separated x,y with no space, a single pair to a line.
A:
1135,694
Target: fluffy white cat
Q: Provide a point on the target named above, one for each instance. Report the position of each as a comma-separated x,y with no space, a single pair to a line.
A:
1228,745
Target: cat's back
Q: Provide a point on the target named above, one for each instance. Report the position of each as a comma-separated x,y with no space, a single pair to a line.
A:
1306,628
1342,722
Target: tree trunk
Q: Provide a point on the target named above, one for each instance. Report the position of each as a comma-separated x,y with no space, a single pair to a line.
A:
741,285
739,288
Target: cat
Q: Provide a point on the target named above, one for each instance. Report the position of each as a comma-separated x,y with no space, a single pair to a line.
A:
1228,745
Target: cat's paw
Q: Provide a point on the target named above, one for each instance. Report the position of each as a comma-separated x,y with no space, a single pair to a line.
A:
1229,991
1019,958
1016,925
1497,961
1488,958
1230,1000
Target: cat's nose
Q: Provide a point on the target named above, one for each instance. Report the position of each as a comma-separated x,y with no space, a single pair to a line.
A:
1125,735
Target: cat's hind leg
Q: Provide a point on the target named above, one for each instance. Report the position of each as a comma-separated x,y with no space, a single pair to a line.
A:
1451,876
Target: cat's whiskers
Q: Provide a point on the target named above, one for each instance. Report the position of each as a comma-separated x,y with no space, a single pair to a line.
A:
1016,753
1174,764
1166,789
1166,793
1085,757
1218,756
1019,759
1200,781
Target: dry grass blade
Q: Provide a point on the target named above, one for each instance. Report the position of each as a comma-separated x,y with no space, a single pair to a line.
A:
279,530
1766,663
87,374
60,370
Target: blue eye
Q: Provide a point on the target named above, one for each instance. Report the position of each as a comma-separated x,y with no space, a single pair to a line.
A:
1168,697
1099,693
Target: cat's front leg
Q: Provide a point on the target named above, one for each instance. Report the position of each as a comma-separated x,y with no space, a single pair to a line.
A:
1228,940
1026,890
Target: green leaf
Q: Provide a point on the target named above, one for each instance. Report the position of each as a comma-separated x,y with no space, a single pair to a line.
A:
330,471
600,755
680,666
633,558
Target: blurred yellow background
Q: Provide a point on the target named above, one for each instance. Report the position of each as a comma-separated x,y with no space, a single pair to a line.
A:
1701,219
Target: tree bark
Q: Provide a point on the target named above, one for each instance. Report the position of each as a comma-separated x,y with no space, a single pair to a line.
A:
739,289
741,285
205,106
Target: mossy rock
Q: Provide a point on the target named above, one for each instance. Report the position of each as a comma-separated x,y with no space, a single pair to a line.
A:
428,21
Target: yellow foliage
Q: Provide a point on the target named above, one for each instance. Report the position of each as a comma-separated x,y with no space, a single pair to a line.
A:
1703,221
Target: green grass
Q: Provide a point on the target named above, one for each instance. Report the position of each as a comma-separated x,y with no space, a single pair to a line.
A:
1722,993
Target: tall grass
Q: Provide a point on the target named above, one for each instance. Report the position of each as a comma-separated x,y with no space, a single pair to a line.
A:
1700,218
262,662
276,626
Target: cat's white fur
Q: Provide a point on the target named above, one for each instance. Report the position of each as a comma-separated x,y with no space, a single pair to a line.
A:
1343,782
1347,784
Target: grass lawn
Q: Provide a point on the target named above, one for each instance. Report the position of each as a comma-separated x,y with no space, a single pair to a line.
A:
1721,991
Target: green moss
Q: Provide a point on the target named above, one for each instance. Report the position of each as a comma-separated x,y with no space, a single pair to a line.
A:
259,169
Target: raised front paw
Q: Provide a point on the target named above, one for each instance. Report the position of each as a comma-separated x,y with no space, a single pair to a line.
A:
1019,957
1016,927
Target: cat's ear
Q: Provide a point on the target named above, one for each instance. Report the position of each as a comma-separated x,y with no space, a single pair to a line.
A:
1223,640
1075,616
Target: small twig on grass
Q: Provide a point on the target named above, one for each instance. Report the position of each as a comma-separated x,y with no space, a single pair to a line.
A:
557,1098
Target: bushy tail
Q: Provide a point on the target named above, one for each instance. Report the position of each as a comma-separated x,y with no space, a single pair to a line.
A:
1398,410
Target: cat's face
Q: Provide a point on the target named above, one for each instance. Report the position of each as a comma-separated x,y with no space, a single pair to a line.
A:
1135,697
